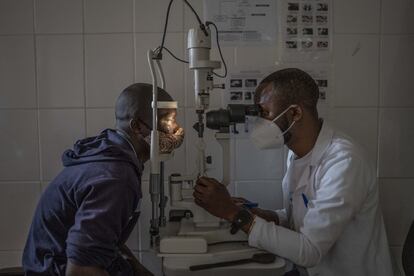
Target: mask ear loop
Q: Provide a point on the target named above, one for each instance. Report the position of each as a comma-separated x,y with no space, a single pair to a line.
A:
146,137
128,138
130,125
284,132
281,114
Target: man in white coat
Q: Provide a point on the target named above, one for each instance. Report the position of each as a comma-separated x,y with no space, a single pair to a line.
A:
331,223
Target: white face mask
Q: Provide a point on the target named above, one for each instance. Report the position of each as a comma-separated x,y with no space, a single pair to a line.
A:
267,134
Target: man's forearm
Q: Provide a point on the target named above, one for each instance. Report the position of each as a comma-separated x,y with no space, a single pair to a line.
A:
138,268
267,215
75,270
294,246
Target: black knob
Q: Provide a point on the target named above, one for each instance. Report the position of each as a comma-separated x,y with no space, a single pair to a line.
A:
209,160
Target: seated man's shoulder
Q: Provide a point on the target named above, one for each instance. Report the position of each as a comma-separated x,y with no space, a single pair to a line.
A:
106,169
118,177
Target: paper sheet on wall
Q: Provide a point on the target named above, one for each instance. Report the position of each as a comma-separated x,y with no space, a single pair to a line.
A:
306,30
251,22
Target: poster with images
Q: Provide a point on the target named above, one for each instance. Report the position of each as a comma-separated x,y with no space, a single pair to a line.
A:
242,85
306,30
321,76
243,21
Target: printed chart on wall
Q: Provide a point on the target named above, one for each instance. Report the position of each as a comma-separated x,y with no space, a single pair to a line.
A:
241,86
251,22
306,30
321,75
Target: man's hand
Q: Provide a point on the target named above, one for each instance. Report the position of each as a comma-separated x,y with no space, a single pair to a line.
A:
268,215
75,270
239,201
214,198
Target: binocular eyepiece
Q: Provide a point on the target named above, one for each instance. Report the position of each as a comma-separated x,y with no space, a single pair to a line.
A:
234,114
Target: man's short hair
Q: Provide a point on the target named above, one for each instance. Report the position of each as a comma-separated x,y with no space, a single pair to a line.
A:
292,86
135,102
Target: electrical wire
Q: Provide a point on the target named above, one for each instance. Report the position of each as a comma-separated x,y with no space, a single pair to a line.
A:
219,48
159,49
172,54
202,27
165,29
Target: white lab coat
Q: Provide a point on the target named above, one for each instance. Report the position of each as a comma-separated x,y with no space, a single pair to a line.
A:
341,231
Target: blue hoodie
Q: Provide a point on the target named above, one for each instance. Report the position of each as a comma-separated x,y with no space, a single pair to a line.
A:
88,210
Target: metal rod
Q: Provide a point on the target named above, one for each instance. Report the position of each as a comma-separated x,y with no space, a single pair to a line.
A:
163,199
154,155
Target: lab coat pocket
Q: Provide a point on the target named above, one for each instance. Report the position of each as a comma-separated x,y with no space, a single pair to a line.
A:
300,205
302,198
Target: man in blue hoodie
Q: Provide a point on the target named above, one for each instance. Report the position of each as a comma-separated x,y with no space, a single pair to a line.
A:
88,211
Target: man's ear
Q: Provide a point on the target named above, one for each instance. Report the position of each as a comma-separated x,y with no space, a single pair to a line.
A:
296,112
135,126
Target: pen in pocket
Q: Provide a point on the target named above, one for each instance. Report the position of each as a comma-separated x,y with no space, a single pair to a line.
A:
305,200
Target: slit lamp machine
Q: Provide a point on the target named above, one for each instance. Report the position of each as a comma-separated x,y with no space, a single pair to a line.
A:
190,236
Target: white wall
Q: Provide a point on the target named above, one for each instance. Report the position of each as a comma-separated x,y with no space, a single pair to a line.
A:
63,63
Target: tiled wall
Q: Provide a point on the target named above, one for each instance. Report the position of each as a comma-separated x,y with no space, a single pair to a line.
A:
63,63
